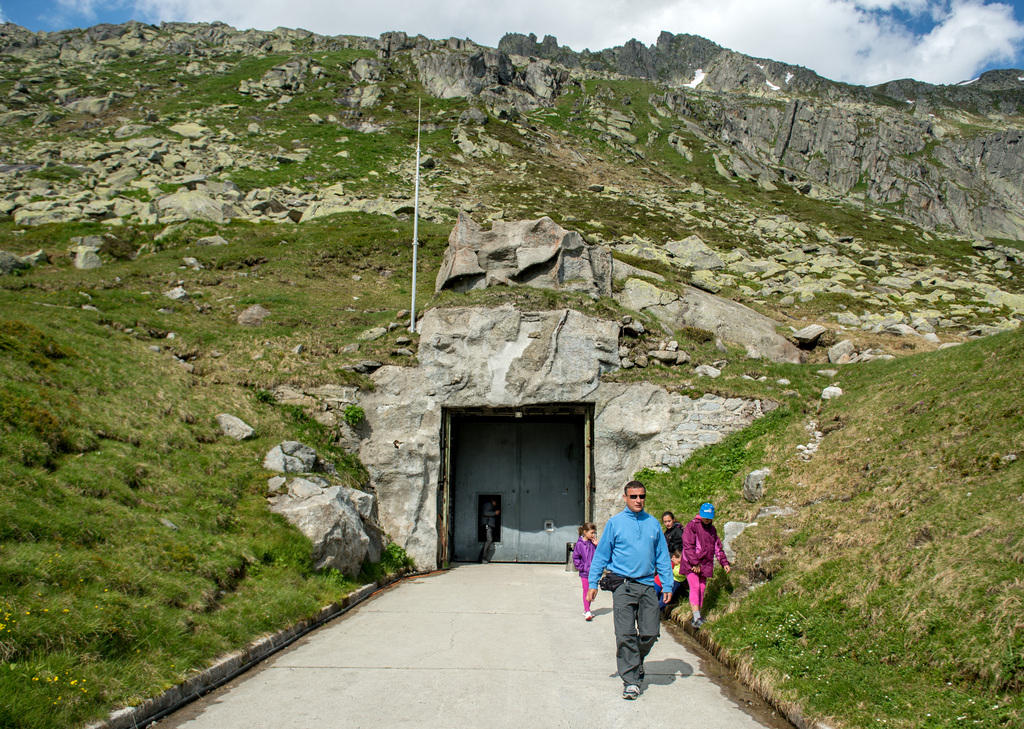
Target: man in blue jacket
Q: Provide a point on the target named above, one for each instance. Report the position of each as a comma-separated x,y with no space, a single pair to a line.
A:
633,547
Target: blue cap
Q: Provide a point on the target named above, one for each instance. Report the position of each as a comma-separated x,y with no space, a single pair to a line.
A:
706,511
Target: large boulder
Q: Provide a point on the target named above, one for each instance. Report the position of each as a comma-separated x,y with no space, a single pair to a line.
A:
330,521
731,321
93,105
693,253
538,253
194,205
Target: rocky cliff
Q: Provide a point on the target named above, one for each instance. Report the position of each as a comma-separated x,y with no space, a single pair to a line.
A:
902,144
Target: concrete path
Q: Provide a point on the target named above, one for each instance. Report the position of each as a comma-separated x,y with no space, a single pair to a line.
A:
491,646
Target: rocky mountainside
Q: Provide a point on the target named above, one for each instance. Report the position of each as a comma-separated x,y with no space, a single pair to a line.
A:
894,209
898,144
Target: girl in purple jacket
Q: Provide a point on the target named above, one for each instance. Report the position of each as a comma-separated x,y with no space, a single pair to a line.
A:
582,556
700,547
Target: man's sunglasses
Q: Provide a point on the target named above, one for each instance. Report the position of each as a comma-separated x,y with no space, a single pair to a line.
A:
636,496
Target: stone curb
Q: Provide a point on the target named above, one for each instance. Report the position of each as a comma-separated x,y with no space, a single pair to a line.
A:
747,676
234,664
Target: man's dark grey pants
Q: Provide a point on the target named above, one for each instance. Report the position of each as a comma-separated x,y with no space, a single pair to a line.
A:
637,626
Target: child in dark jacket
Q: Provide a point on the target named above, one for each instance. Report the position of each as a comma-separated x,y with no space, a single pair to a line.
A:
701,546
582,556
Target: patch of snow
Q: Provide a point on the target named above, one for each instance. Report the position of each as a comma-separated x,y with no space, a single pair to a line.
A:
1020,78
966,83
910,101
697,78
772,86
789,77
761,66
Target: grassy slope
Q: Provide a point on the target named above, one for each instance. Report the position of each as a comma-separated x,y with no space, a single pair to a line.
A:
105,443
896,591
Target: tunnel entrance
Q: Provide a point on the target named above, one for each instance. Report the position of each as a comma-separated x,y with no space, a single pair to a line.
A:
524,471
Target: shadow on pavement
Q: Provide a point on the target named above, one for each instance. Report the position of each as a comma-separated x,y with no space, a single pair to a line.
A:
667,670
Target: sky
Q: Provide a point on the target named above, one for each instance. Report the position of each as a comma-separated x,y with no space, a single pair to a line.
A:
857,41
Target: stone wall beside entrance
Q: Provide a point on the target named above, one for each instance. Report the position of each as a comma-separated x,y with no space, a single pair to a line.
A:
476,357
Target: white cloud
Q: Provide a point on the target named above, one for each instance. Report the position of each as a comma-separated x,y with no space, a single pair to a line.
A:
851,41
860,41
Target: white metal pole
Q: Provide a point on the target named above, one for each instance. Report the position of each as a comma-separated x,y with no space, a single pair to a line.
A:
415,219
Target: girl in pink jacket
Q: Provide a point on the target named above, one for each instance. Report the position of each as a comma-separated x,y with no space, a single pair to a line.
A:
701,546
582,556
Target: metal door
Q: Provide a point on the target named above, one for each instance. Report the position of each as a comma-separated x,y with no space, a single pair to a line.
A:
535,466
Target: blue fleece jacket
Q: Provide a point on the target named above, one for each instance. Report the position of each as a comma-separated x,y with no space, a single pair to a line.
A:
632,545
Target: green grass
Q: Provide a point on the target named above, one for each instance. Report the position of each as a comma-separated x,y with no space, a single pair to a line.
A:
894,591
135,543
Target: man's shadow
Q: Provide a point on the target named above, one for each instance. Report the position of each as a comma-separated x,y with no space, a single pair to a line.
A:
665,671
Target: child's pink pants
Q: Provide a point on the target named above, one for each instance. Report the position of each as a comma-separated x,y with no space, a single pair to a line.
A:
698,584
586,588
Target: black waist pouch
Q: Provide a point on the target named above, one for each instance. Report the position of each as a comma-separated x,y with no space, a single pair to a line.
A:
610,580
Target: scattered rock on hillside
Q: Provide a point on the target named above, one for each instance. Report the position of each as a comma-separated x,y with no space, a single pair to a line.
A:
253,316
212,240
339,521
693,253
291,456
194,205
841,352
831,392
190,130
234,427
86,257
9,263
178,293
707,371
807,450
276,485
372,334
807,338
730,532
473,115
753,484
775,511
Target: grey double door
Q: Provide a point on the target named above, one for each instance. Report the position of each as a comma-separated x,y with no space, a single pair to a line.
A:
533,468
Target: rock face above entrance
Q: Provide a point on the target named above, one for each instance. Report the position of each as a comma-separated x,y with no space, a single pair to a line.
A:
499,358
538,253
477,356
